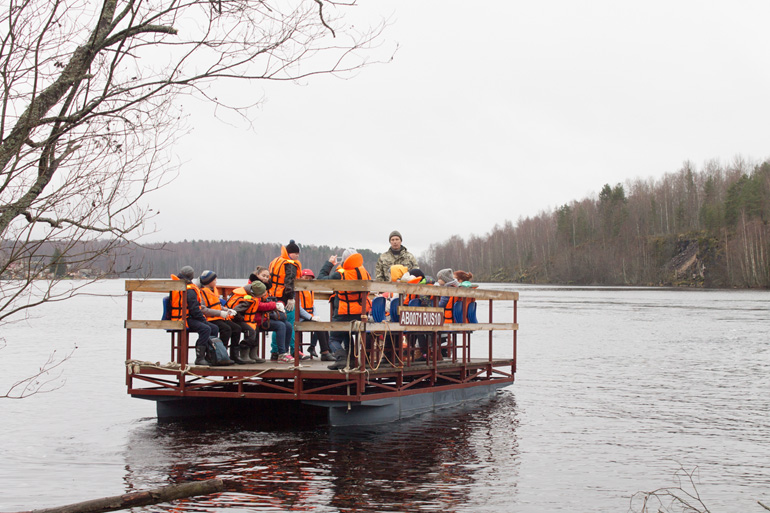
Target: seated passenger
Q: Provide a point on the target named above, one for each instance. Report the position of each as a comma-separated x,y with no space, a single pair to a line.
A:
277,317
449,278
211,306
195,321
417,277
245,302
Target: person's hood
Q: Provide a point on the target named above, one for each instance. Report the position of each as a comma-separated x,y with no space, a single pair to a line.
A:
353,261
397,271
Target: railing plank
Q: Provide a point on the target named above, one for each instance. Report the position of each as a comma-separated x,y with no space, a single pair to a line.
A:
135,324
154,285
393,326
403,288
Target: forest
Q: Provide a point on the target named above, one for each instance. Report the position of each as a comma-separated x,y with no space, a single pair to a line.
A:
696,228
229,259
689,228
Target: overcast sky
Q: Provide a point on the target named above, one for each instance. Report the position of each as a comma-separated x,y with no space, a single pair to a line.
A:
490,111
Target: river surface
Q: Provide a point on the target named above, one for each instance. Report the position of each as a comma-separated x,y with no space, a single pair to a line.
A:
616,390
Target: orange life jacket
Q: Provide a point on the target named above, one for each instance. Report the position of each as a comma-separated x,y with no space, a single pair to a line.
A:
176,300
306,300
250,316
210,299
349,303
277,270
449,309
408,297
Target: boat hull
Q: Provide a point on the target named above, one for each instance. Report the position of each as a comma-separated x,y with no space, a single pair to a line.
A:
332,413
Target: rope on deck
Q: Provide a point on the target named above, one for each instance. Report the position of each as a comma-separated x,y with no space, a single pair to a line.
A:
135,367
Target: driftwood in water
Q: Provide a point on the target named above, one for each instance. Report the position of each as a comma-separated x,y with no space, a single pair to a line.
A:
147,497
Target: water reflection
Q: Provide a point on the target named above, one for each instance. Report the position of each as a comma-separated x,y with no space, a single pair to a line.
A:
428,463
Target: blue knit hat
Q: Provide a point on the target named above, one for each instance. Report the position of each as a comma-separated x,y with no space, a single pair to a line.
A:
207,277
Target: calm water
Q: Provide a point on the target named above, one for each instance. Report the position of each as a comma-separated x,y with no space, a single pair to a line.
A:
616,389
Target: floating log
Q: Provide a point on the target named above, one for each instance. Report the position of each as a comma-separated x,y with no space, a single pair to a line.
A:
145,498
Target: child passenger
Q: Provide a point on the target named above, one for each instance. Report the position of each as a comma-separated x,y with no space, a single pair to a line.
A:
262,274
196,322
275,319
211,306
244,301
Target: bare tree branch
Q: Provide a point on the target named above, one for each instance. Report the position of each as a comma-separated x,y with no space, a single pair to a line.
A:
44,380
89,114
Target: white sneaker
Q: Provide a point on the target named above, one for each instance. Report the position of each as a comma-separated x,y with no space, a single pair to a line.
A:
285,357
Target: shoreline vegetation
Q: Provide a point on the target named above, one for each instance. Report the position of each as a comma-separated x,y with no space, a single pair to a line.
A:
704,229
691,228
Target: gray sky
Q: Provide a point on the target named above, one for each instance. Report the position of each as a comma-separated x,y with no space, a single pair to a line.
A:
489,112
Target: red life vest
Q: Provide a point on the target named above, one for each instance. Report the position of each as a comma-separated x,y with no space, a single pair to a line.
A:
250,316
349,303
277,270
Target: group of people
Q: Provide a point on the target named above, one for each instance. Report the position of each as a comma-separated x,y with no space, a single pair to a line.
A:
269,302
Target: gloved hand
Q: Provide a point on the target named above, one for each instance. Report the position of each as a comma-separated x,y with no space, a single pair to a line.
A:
290,305
316,318
224,313
279,306
232,312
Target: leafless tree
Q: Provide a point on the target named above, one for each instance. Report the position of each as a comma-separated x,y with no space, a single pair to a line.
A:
91,107
681,498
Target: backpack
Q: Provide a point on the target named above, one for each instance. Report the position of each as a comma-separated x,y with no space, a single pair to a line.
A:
216,353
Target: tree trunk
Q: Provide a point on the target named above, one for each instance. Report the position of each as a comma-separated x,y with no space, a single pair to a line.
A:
135,499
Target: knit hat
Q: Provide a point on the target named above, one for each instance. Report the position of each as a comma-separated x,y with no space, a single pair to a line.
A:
207,277
186,273
417,273
395,233
347,253
292,247
257,288
446,275
308,272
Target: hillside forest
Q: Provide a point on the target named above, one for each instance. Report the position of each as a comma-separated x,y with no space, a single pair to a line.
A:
706,228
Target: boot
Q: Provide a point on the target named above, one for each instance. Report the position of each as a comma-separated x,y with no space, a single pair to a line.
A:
311,352
200,356
234,355
342,360
327,357
244,354
254,355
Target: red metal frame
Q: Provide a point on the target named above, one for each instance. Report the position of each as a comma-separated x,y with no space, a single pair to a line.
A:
319,384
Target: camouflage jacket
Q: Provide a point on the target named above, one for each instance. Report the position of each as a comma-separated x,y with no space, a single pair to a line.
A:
387,259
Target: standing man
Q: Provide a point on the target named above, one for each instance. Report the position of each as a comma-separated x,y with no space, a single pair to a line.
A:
397,254
283,271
